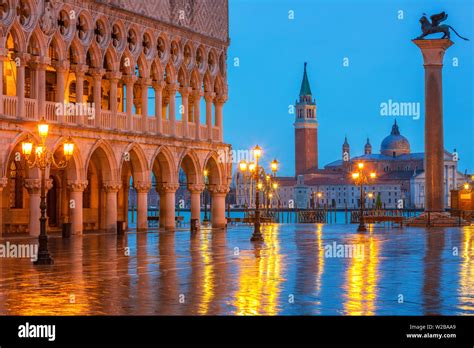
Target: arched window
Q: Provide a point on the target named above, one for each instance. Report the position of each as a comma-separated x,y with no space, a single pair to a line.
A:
16,186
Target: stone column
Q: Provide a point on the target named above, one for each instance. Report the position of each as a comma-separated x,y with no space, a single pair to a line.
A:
3,184
144,83
21,59
114,78
3,58
167,204
197,94
80,71
209,97
433,53
129,83
218,194
62,69
184,91
158,87
33,186
97,76
172,108
76,191
39,64
195,191
142,188
111,189
219,103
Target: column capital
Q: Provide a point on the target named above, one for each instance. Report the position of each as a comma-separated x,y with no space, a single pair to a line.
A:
167,187
158,85
185,91
97,73
39,63
77,185
80,69
113,76
33,186
145,81
3,53
172,88
209,96
196,188
142,186
220,99
111,186
129,79
62,66
433,50
219,189
23,58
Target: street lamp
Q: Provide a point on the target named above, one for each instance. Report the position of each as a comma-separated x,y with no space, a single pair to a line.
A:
274,166
360,178
257,234
44,159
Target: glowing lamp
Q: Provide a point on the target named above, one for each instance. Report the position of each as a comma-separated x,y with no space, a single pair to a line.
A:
275,185
257,151
252,166
243,166
274,165
206,173
39,150
43,129
320,194
355,175
467,186
27,148
260,185
360,165
373,175
68,148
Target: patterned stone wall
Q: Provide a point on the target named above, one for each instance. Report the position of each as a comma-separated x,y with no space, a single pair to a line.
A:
207,17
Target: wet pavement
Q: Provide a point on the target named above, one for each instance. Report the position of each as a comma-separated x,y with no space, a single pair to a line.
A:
305,269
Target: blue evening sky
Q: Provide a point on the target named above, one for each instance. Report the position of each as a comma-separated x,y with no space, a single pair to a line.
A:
383,64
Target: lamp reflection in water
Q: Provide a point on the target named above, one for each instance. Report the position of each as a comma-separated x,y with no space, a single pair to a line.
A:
260,277
362,278
466,271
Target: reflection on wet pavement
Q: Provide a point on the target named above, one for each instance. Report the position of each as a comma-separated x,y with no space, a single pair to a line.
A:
408,271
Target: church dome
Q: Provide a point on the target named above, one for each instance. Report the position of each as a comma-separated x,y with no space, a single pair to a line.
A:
395,144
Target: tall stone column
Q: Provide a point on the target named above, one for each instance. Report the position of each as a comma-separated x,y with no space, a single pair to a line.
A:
142,188
184,91
3,58
76,191
21,59
3,184
113,77
197,94
111,189
433,54
129,83
172,107
218,194
79,71
209,97
167,193
195,191
219,103
158,87
144,83
97,77
33,186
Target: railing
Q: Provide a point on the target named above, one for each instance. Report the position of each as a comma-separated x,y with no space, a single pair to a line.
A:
105,120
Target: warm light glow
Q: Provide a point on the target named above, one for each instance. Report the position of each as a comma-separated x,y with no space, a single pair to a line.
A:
355,175
257,152
270,195
370,195
260,185
467,186
68,148
267,177
320,194
252,166
243,166
373,175
43,128
360,165
274,165
39,150
27,148
275,185
206,173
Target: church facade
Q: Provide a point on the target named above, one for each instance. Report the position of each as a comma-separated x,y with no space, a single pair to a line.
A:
140,89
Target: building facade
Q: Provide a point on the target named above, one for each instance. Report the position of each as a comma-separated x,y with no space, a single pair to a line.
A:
139,87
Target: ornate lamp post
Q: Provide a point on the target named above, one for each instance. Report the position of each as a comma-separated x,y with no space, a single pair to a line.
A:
361,178
44,159
206,182
257,234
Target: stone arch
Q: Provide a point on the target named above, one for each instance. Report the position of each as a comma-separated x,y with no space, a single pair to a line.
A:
135,155
207,82
77,54
189,162
75,169
195,80
143,66
127,63
182,77
215,170
94,56
107,157
58,45
110,61
19,38
36,43
170,73
156,70
14,145
219,87
164,166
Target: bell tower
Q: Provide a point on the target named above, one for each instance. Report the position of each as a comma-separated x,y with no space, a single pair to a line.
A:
306,130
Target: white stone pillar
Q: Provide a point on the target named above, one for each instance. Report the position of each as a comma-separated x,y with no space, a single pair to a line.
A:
114,78
129,83
142,188
97,76
209,97
21,61
111,189
167,193
172,108
195,191
197,94
218,194
80,71
3,184
76,192
144,83
184,91
158,87
219,103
